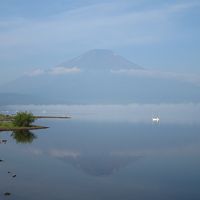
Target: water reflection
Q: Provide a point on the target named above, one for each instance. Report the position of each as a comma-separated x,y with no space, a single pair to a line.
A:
23,136
96,164
111,161
3,141
100,165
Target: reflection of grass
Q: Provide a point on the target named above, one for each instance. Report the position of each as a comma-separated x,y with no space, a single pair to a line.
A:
23,136
10,127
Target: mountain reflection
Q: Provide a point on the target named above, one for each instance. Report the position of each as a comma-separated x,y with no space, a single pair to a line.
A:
99,165
23,136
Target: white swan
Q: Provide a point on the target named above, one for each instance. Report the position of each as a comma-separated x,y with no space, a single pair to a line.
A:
156,119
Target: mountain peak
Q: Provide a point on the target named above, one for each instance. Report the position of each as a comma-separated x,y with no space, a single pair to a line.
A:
99,51
100,59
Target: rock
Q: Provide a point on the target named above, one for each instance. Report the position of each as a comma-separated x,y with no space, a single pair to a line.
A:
7,193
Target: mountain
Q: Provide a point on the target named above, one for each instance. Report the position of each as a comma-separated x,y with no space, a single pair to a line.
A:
104,165
16,98
101,77
100,59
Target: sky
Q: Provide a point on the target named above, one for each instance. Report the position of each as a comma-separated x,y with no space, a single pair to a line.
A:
156,34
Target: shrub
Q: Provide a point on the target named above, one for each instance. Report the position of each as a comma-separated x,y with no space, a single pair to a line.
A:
24,119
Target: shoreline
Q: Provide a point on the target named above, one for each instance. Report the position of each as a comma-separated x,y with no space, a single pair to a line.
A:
52,117
7,125
23,128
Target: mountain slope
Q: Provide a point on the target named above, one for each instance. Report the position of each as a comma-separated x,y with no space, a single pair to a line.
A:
17,98
100,59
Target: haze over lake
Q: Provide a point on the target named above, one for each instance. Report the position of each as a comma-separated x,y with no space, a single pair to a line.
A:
183,113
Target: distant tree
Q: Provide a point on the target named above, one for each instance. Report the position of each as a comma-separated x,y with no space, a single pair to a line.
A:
23,119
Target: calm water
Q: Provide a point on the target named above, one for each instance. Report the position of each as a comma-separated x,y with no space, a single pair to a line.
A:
111,158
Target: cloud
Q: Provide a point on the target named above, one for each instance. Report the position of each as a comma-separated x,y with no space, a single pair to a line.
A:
35,72
191,78
189,149
54,71
103,24
35,151
64,153
63,70
183,6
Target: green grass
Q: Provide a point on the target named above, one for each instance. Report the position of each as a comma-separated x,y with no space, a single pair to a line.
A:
7,125
6,122
5,117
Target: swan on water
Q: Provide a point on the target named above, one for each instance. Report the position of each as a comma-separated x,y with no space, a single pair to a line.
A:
156,119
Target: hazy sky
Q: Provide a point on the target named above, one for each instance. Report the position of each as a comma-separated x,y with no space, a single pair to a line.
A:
156,34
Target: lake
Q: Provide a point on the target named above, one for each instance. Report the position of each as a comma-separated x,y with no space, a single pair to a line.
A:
109,152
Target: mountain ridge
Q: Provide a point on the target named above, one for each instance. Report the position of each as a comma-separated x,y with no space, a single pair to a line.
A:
100,59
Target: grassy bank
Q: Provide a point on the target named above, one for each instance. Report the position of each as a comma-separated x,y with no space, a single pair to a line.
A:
6,117
23,121
7,124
